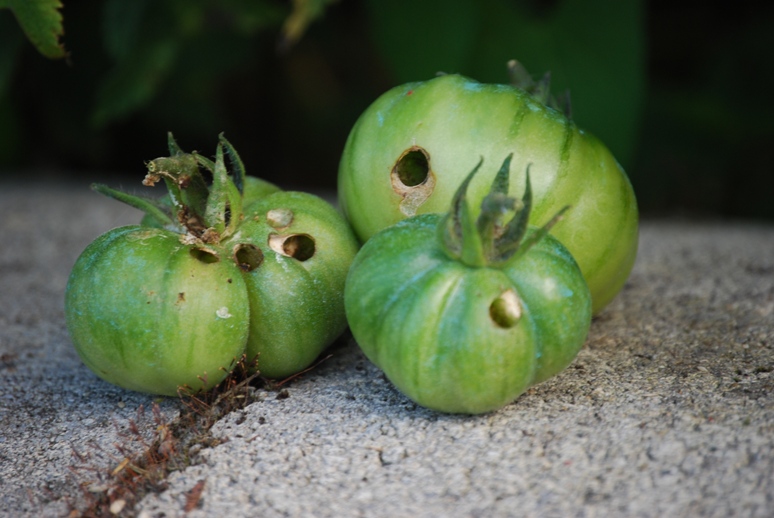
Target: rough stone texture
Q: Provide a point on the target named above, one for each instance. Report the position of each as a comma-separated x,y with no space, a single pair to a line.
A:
667,411
58,422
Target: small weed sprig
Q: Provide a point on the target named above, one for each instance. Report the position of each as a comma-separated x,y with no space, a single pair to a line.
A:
171,447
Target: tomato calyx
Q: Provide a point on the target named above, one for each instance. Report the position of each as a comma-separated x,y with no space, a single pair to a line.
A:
540,89
203,213
489,240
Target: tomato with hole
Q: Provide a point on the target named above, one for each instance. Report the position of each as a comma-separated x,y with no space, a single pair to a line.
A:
149,313
411,148
296,294
464,314
174,303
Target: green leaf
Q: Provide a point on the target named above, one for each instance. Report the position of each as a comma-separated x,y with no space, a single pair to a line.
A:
41,21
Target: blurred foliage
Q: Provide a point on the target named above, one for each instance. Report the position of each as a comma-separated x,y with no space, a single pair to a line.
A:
671,88
594,48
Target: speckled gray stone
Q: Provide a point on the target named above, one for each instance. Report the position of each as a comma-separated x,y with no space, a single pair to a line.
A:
667,411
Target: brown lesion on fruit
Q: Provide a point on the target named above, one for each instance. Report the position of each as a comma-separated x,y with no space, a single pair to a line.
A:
247,256
279,218
412,179
298,246
505,310
181,297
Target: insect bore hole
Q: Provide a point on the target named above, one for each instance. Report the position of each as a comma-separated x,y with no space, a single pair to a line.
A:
298,246
248,257
505,310
204,255
413,166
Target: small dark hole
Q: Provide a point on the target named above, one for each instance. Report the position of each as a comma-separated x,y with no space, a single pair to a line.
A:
299,246
413,167
204,255
248,257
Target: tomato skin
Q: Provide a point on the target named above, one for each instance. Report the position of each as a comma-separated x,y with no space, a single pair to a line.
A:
424,318
296,305
456,120
146,314
269,264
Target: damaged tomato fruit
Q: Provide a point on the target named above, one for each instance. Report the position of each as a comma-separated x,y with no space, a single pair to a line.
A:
408,152
463,314
171,304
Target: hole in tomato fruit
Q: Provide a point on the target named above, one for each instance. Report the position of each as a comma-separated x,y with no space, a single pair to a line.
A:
248,256
204,255
412,179
413,166
505,310
297,246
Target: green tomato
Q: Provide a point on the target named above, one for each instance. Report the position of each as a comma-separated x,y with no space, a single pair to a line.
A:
151,314
297,293
152,309
462,316
412,147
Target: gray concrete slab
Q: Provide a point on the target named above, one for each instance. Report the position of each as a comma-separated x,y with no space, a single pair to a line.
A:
667,411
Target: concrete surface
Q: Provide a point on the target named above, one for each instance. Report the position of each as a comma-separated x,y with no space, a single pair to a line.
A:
667,411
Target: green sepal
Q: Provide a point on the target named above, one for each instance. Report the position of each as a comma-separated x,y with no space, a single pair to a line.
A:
153,208
494,207
487,241
224,204
539,234
459,234
237,166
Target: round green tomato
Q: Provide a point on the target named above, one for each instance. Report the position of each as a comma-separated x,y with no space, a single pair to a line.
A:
462,339
151,314
297,250
413,146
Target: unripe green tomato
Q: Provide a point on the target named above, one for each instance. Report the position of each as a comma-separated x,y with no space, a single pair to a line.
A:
270,265
296,291
412,147
461,339
151,314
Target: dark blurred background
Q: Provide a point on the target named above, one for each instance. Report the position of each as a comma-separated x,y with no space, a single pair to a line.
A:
680,93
